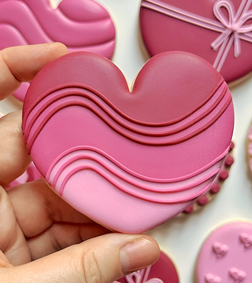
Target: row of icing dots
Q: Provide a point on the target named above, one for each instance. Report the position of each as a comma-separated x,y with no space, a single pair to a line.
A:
216,186
55,165
47,25
65,170
165,187
151,139
105,107
116,114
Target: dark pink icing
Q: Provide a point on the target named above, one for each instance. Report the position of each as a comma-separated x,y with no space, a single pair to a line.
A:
169,25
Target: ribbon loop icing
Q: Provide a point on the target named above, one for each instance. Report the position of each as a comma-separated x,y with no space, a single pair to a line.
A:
234,25
232,28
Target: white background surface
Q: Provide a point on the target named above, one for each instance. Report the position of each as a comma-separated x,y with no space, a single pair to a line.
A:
182,237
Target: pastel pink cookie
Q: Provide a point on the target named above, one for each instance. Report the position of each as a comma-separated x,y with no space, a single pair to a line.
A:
79,24
129,160
163,271
226,255
220,31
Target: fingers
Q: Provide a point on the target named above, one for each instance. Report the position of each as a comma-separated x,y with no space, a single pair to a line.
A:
20,64
13,153
100,260
62,235
35,200
13,246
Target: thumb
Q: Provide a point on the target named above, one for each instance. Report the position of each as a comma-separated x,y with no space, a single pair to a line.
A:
99,260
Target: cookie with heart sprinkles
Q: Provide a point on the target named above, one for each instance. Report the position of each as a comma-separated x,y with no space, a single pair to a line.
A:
225,256
129,160
219,31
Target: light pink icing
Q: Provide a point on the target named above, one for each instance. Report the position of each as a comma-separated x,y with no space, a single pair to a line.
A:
79,24
231,27
224,256
136,154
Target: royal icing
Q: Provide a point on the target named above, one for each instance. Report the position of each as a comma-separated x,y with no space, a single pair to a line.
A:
79,24
224,24
151,151
163,271
225,256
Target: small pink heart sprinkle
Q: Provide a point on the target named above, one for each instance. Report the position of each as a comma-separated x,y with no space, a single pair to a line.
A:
237,274
220,249
246,240
211,278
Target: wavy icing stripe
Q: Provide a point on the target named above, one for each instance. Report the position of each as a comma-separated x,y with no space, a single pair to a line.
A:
93,140
175,133
79,24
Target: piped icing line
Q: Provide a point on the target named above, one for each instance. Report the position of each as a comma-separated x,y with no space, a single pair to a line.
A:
220,86
250,147
51,25
167,139
141,276
165,186
209,106
231,31
127,170
62,171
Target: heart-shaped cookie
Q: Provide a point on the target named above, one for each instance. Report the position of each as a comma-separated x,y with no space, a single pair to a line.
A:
233,266
79,24
219,31
129,160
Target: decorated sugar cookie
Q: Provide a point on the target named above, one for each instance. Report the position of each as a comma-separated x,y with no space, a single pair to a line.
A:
220,31
79,24
225,256
216,186
163,271
142,156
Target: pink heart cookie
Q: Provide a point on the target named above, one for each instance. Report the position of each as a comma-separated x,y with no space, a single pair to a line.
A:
129,160
79,24
163,271
235,265
219,31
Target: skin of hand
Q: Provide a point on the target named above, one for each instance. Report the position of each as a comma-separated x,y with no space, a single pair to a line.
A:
42,238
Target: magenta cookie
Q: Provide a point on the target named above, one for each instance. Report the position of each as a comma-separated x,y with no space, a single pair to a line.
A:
79,24
129,160
226,255
220,31
163,271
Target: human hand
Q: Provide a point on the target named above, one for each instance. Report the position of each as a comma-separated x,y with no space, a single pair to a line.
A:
42,238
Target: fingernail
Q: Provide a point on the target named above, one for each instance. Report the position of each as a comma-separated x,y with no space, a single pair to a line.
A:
138,255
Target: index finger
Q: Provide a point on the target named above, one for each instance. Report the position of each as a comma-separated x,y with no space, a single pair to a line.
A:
21,63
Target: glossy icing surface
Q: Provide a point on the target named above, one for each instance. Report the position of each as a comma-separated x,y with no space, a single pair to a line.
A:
163,271
224,25
226,255
154,150
79,24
